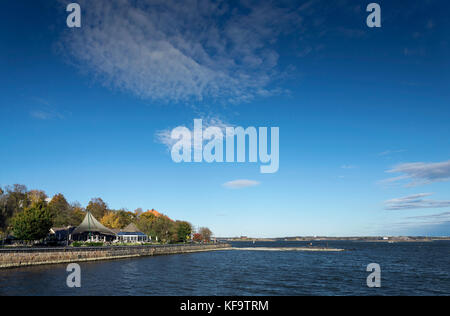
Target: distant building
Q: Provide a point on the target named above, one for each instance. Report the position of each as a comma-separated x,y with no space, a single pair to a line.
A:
131,234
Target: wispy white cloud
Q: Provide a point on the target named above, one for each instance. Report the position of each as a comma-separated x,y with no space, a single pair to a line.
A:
169,50
425,223
239,184
44,110
440,216
348,167
421,172
390,152
415,201
41,115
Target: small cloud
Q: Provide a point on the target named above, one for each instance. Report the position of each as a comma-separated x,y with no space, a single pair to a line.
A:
414,52
414,202
239,184
45,115
421,172
40,115
348,167
45,110
390,152
440,216
427,222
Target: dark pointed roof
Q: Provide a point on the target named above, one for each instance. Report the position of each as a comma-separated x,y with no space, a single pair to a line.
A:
90,224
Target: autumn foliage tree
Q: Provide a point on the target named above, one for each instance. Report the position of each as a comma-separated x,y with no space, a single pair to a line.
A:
197,237
159,225
110,220
117,219
97,207
206,233
30,215
77,214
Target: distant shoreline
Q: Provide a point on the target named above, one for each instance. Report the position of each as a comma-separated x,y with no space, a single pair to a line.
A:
324,239
313,249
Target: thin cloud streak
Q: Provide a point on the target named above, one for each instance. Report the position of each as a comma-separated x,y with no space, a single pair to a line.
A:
420,173
239,184
415,202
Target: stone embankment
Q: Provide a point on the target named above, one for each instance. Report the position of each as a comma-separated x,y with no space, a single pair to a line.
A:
19,257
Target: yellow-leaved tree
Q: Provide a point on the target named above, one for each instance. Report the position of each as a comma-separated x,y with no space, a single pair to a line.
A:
111,220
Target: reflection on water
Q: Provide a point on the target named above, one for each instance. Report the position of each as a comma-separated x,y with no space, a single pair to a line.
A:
407,269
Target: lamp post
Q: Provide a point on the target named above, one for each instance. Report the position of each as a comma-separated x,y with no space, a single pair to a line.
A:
89,225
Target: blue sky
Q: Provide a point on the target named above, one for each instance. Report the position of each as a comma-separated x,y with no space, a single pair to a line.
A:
363,112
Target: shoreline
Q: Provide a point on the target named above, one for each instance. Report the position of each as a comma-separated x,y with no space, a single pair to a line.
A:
15,258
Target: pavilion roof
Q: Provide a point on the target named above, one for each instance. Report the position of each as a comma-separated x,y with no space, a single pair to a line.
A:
91,224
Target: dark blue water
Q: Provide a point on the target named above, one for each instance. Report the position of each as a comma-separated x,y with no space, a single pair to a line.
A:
407,269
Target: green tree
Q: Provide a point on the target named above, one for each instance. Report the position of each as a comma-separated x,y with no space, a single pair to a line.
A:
33,223
164,229
2,211
183,230
13,200
60,210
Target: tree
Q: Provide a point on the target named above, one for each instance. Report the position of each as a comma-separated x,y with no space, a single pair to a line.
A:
97,207
145,223
164,229
206,233
111,220
33,223
117,219
60,210
125,218
36,196
197,237
3,216
12,202
183,231
77,214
